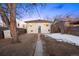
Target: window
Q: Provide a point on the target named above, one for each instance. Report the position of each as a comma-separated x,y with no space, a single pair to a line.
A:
31,30
18,24
48,29
47,25
23,26
30,25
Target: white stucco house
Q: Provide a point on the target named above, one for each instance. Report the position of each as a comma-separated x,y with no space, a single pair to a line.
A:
38,26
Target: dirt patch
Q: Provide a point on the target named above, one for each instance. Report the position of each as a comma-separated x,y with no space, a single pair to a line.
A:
55,48
25,48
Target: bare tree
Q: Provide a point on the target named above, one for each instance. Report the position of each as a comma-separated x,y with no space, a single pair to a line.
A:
4,17
13,13
13,29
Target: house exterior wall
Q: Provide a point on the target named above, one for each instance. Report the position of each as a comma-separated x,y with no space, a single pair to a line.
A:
33,27
20,24
21,29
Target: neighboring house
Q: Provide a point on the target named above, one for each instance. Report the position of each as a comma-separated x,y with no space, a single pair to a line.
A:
74,27
21,24
5,32
21,27
71,22
38,26
66,26
74,23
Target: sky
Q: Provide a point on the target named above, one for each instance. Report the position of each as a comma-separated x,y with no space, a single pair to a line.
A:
47,11
51,10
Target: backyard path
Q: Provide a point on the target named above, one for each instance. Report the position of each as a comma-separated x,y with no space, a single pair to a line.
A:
39,47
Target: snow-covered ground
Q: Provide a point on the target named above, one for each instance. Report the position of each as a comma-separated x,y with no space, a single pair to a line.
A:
72,39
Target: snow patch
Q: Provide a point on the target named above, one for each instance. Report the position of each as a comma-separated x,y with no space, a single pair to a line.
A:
72,39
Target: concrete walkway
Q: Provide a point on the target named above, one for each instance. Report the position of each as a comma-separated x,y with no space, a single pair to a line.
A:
39,47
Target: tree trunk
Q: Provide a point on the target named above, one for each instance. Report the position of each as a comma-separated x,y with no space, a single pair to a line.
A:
13,29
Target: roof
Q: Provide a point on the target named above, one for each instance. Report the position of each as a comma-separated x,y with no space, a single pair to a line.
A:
74,22
38,21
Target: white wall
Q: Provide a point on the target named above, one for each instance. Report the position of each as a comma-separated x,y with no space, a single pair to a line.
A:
35,26
21,24
7,34
44,28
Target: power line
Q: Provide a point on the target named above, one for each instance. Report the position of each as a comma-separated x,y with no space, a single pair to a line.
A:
38,12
